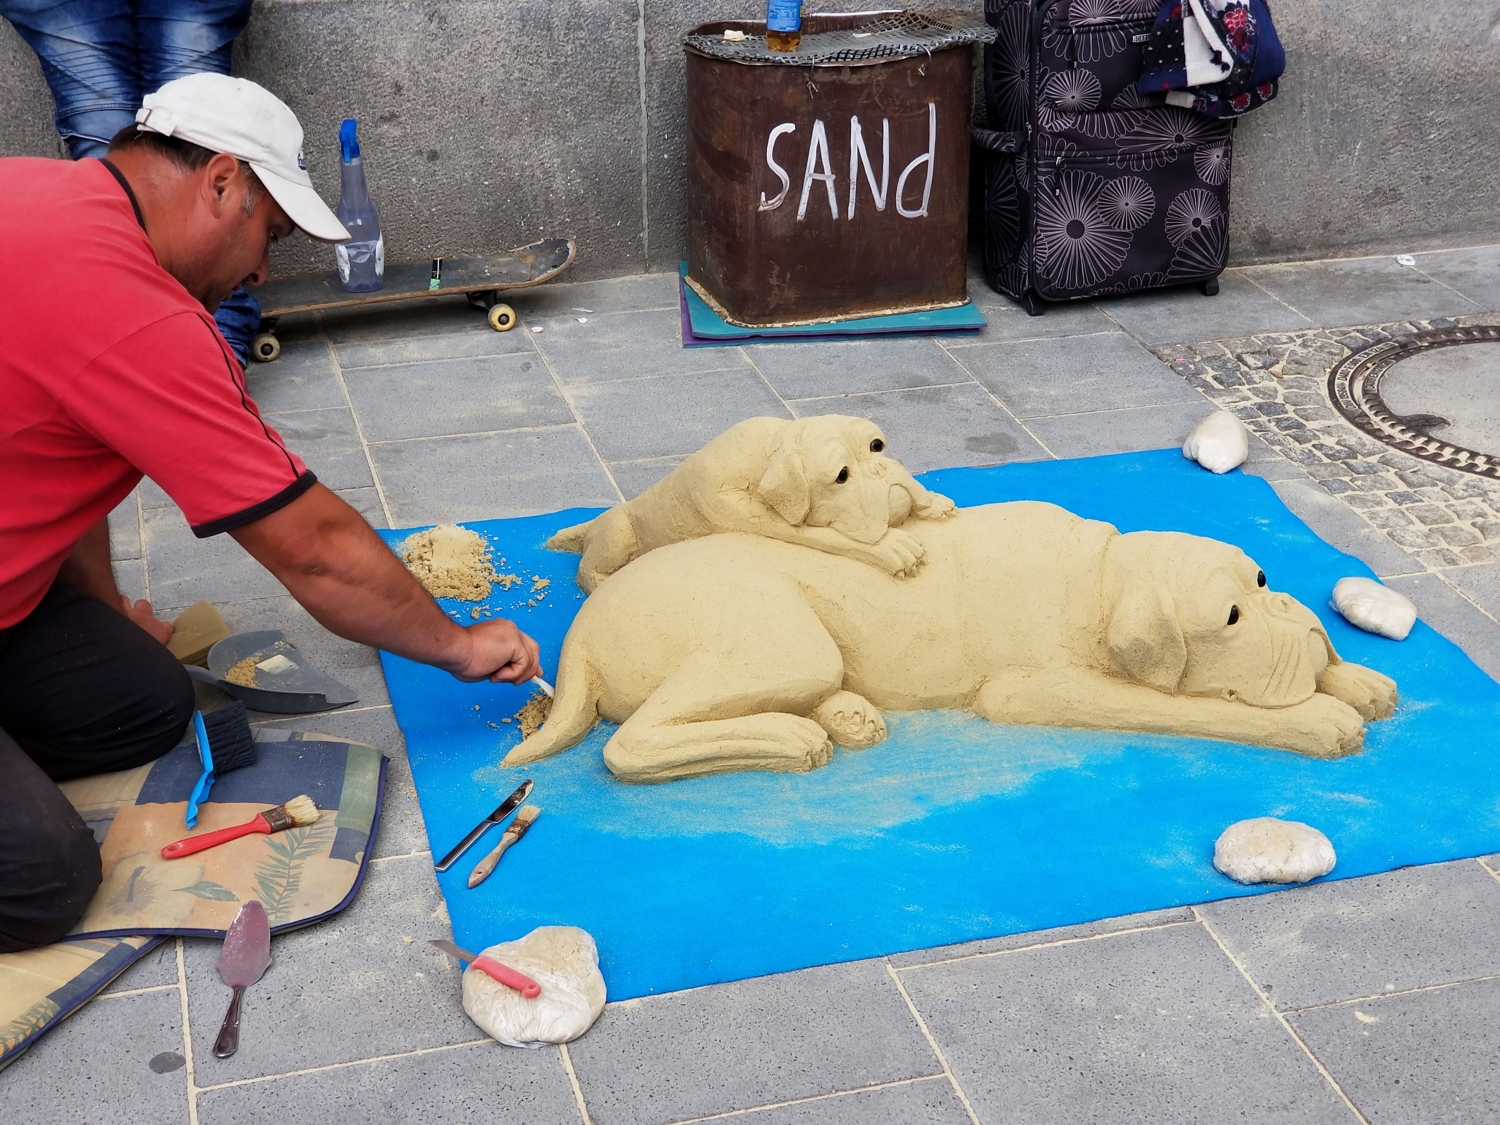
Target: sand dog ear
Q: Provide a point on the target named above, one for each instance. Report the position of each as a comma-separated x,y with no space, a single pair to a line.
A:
1145,639
784,486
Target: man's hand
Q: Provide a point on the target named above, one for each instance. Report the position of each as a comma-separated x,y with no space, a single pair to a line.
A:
501,653
341,572
140,613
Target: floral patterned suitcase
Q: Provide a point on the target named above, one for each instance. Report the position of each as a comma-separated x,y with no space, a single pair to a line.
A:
1091,187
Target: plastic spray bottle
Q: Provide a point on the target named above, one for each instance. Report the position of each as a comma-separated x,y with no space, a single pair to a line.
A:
361,259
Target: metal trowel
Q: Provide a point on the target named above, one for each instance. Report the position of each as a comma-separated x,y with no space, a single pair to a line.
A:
243,961
284,681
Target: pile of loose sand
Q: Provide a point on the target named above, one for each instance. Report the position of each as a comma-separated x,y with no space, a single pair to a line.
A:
534,714
452,562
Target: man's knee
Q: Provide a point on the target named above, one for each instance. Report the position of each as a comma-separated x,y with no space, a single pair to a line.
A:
45,892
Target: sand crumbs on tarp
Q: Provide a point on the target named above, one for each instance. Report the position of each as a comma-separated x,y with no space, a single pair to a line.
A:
451,561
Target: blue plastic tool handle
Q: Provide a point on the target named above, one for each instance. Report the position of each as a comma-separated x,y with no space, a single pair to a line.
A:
206,779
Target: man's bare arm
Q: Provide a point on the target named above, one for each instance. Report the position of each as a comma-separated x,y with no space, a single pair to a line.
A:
89,568
324,552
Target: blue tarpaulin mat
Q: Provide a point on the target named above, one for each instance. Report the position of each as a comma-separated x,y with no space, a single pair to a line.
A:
953,828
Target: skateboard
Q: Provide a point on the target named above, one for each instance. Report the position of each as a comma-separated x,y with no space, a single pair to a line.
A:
482,279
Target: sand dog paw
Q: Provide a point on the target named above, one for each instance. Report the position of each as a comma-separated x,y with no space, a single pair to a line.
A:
898,553
1366,690
1324,727
851,721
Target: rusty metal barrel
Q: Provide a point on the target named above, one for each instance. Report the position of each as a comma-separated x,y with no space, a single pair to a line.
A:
828,190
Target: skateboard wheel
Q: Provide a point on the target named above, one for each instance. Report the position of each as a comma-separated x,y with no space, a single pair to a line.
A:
502,318
265,347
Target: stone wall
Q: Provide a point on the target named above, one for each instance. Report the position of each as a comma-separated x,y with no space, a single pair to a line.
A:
487,124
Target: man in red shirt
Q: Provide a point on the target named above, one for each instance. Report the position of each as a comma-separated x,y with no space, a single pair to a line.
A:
112,368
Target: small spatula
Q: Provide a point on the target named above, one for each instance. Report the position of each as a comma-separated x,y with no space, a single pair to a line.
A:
246,955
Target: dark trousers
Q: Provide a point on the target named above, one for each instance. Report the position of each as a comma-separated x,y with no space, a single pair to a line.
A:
83,690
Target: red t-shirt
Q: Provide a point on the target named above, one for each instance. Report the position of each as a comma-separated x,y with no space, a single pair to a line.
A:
109,369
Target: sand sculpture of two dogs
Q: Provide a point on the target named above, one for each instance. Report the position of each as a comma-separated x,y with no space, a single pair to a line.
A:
727,646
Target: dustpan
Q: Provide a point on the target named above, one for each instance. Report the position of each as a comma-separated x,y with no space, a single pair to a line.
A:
285,682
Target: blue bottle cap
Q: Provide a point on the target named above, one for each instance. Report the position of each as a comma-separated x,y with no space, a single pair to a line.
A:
348,140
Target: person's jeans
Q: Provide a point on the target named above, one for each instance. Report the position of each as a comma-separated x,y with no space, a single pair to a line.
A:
101,57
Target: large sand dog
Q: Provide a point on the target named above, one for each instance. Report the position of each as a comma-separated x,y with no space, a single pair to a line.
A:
738,652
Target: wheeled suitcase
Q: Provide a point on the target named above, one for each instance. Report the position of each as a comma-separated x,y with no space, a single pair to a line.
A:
1089,186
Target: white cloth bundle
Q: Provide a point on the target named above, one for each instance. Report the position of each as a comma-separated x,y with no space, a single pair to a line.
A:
1367,604
1219,443
1267,850
565,962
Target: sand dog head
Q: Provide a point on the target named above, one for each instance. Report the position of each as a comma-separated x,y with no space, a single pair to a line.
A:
1194,616
832,471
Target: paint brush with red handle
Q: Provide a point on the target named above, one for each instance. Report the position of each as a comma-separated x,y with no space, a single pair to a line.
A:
295,813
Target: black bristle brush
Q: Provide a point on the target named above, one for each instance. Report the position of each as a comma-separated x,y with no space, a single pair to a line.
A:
230,739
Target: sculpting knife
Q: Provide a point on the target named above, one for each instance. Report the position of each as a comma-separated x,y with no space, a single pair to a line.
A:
522,792
545,686
492,968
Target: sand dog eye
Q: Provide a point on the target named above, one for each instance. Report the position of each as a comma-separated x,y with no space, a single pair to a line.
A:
1260,578
877,445
1234,614
843,476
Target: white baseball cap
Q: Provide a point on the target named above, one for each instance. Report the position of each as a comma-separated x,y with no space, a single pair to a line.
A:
252,124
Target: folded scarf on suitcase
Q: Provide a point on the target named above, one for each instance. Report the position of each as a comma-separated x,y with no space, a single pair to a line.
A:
1221,58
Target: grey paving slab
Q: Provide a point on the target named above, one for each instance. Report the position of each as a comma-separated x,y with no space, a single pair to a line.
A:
634,477
1102,371
665,417
152,495
831,367
1009,321
402,829
456,396
609,347
937,427
303,378
1480,584
1410,928
96,1067
157,968
365,501
1172,917
351,987
1474,272
184,568
1266,463
328,443
1336,523
405,320
479,1083
1455,616
613,295
355,664
747,1044
125,529
1359,291
928,1101
1119,431
1425,1057
479,340
130,577
490,476
1183,315
1144,1027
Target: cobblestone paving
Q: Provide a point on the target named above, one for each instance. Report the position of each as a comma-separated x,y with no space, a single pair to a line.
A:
1277,383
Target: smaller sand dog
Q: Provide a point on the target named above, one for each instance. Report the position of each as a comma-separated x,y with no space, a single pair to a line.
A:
824,482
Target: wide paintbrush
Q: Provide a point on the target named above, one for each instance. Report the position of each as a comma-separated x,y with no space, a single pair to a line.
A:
294,814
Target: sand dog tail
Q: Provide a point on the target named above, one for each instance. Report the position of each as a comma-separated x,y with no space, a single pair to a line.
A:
574,710
571,538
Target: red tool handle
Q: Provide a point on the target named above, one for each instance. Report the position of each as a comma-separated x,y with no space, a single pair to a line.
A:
508,976
214,839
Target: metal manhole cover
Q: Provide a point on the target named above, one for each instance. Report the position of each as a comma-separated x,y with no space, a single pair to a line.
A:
1355,386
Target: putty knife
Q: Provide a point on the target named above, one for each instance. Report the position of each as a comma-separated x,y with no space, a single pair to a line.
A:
245,957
